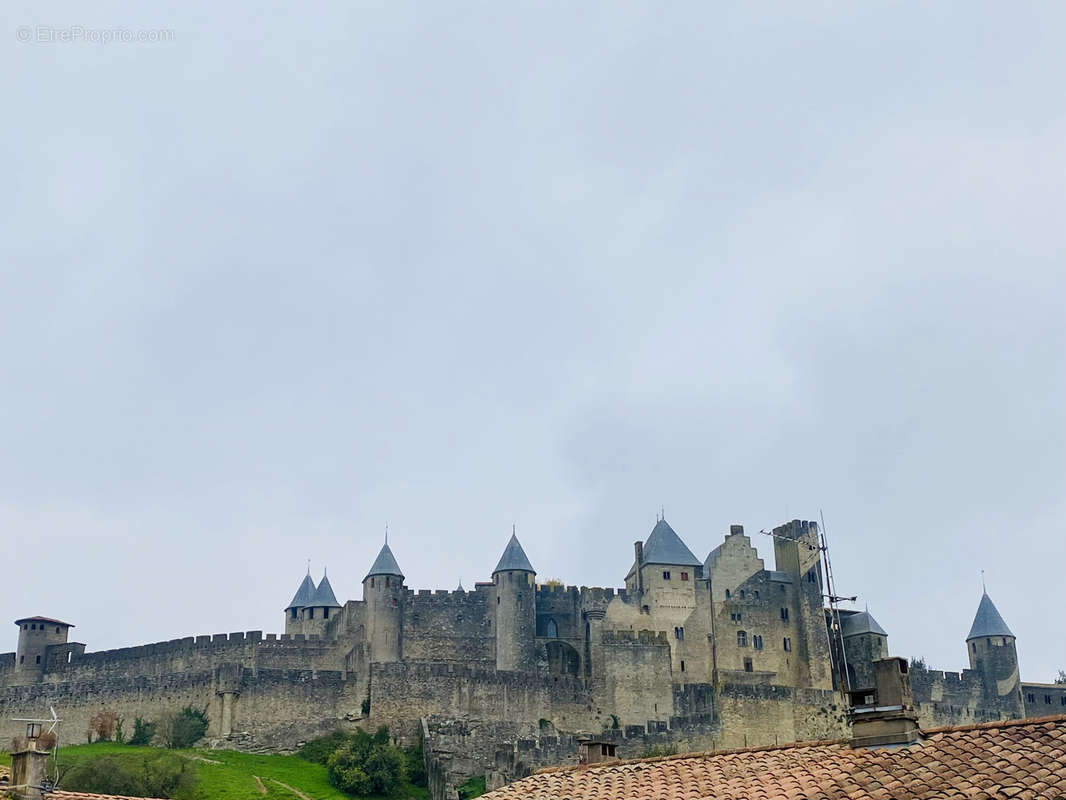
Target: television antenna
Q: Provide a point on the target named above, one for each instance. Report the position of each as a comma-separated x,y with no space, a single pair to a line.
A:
52,723
835,633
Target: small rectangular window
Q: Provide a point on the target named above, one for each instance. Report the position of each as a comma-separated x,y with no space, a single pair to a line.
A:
682,665
757,641
666,575
684,576
1030,697
784,615
310,613
325,613
727,594
1047,697
39,661
787,644
748,666
679,634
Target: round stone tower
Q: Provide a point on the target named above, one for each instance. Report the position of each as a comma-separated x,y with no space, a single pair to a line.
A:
383,594
36,635
992,651
864,643
516,591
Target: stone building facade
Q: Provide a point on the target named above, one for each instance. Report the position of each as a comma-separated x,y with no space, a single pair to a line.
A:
719,652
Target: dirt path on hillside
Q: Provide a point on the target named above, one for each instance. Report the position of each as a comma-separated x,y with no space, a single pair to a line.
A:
259,785
296,792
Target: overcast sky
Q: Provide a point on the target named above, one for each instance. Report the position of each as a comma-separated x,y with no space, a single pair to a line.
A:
304,270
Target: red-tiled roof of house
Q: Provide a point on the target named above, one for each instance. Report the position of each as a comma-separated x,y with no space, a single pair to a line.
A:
1016,758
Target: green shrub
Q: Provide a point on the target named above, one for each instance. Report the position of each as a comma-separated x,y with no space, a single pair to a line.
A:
416,765
143,732
183,729
658,751
159,775
318,751
367,764
475,787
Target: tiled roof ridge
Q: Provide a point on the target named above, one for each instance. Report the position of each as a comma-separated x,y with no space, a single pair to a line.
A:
995,724
695,754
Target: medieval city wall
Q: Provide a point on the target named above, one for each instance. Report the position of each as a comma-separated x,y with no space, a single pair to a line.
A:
952,698
272,709
404,692
756,715
449,626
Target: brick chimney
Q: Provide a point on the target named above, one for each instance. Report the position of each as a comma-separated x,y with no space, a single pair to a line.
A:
885,716
28,768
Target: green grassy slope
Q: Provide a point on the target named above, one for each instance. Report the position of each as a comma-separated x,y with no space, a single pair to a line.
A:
229,775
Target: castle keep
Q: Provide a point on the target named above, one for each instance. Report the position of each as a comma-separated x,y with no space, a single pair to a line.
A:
721,652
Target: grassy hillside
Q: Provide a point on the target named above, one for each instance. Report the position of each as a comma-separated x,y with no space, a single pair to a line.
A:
228,775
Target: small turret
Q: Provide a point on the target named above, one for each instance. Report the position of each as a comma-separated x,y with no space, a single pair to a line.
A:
36,635
321,606
301,600
383,594
515,587
864,643
993,653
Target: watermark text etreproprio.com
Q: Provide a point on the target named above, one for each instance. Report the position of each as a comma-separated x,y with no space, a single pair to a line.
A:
76,34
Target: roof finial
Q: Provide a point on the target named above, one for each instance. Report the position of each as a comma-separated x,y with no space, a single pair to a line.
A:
662,513
386,533
513,531
308,566
983,589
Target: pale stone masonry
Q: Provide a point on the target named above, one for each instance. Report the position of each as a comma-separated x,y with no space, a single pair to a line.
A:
719,652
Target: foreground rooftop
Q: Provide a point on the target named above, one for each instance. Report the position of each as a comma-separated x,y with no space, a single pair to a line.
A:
1012,759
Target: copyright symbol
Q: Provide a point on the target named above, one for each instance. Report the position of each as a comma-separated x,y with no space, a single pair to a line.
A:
24,33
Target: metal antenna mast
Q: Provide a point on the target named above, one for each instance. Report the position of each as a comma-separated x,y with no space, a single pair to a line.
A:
835,634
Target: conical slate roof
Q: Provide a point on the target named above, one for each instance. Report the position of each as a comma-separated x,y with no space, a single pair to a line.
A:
863,622
385,564
514,558
304,595
324,595
665,547
988,622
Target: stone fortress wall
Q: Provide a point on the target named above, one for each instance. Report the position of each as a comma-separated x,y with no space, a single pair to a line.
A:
715,653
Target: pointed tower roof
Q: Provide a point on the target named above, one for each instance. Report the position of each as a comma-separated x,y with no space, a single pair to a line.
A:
385,564
460,589
514,558
988,621
324,595
863,622
664,546
303,596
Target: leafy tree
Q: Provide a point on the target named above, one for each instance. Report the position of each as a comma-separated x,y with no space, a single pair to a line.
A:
918,663
102,726
184,728
415,766
367,764
143,732
1062,677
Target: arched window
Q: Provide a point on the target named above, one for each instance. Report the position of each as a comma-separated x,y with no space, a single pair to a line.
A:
553,629
742,638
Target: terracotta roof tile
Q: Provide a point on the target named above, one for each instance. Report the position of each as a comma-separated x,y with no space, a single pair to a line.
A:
1016,758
